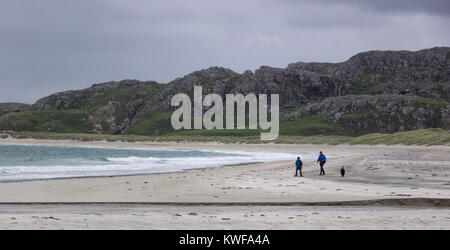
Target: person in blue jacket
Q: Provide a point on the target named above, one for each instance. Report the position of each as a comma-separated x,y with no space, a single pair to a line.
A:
322,160
298,165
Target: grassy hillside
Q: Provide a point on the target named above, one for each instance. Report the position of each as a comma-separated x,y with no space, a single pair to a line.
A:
159,123
427,137
372,92
65,121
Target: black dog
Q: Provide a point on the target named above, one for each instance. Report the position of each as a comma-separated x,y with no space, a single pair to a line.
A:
342,171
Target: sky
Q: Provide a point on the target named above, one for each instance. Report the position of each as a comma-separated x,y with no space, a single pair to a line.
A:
48,46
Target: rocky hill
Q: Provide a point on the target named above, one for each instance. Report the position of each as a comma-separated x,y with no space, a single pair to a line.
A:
8,107
375,91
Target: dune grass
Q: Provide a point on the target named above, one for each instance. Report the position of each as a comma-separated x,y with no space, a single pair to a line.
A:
418,137
426,137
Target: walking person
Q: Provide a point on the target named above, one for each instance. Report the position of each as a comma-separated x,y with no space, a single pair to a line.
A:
322,160
298,166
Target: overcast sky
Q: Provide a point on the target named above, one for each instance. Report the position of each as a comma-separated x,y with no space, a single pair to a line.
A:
53,45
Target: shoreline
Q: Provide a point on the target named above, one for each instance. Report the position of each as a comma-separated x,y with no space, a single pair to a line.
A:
385,187
116,145
374,178
129,175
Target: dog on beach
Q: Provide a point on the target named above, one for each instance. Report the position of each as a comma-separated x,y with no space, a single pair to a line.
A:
342,171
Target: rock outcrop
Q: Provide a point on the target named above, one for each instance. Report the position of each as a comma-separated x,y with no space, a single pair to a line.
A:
8,107
375,91
386,113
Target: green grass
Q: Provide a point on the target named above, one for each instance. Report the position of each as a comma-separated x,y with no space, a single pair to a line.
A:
419,137
427,102
158,120
217,133
9,108
304,126
123,94
67,121
311,125
104,98
3,111
158,123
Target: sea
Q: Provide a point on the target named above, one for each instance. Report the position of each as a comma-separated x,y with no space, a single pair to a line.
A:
23,162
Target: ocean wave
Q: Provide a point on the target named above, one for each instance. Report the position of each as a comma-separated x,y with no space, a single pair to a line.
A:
82,163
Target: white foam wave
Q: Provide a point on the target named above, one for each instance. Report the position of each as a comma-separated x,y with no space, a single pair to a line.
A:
114,166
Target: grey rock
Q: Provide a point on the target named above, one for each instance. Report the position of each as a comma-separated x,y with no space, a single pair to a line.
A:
385,113
385,86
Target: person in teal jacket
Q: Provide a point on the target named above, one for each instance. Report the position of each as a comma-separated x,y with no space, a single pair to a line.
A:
299,166
322,160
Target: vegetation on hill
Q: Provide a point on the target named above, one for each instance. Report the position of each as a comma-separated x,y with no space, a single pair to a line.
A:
372,92
428,137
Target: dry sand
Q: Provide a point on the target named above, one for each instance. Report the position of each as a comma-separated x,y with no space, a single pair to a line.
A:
220,217
373,173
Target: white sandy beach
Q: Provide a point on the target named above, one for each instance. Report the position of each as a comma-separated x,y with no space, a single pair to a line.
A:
373,173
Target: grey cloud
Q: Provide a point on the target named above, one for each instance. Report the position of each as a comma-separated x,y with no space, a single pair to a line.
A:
441,7
52,45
